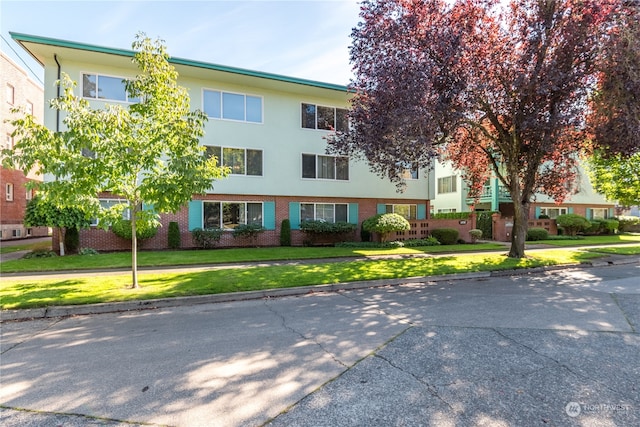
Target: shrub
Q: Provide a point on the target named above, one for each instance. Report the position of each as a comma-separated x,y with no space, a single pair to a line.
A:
572,224
174,235
411,243
484,222
285,233
122,228
543,216
451,215
475,234
628,223
206,238
534,234
365,235
603,226
40,253
446,236
71,240
87,251
429,241
320,231
384,224
248,231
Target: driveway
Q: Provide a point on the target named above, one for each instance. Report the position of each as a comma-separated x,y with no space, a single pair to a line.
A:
556,349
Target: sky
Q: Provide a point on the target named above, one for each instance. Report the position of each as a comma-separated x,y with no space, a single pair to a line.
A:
298,38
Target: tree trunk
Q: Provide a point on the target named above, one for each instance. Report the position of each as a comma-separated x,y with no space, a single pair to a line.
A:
520,225
134,249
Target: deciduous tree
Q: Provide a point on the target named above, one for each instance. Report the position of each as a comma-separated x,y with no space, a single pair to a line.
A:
616,176
145,152
496,87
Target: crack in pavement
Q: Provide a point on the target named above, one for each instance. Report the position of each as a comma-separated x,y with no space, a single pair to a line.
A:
614,297
33,335
301,335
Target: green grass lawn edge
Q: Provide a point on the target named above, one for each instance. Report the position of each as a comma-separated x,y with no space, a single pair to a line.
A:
31,293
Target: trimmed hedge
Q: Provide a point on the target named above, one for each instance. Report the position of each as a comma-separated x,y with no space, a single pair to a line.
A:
122,228
451,215
386,223
206,238
446,236
535,233
285,233
173,238
572,224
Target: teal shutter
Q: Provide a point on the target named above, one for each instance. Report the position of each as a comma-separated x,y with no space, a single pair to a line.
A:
147,207
269,215
570,210
294,215
611,213
382,208
353,213
589,213
195,214
537,212
422,211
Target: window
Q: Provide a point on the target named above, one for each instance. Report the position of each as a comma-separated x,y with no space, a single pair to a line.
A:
11,92
326,118
449,210
241,161
17,233
406,211
325,167
108,204
9,192
29,232
329,212
29,194
408,172
232,106
553,212
96,86
599,213
228,215
447,184
29,108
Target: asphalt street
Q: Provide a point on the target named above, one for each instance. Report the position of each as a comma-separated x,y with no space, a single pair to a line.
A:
556,348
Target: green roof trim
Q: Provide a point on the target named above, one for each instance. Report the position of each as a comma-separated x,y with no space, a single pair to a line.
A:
27,38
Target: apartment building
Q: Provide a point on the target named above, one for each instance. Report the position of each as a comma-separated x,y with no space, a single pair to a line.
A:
452,196
268,128
18,90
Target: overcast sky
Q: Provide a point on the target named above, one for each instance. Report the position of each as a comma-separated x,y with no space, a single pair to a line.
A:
298,38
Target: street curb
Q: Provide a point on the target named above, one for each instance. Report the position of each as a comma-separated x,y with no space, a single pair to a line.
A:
151,304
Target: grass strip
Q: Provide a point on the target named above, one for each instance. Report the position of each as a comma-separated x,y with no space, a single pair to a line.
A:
620,250
594,240
31,293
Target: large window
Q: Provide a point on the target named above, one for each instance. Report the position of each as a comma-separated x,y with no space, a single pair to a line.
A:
553,212
329,212
326,118
110,88
407,211
325,167
599,213
447,184
232,106
241,161
228,215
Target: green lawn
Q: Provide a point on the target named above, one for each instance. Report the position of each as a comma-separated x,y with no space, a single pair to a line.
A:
619,250
28,293
595,240
26,246
217,256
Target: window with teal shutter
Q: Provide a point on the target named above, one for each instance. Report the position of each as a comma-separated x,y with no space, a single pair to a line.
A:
269,219
353,213
381,208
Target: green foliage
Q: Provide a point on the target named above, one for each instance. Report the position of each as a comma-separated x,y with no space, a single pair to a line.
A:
365,235
603,226
475,234
43,212
144,230
543,216
411,243
323,227
143,152
628,223
535,233
616,176
173,238
484,222
451,215
572,224
446,236
386,223
206,238
285,232
250,231
71,240
87,251
40,253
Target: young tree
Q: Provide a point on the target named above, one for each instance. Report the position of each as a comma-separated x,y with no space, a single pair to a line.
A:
491,86
146,152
